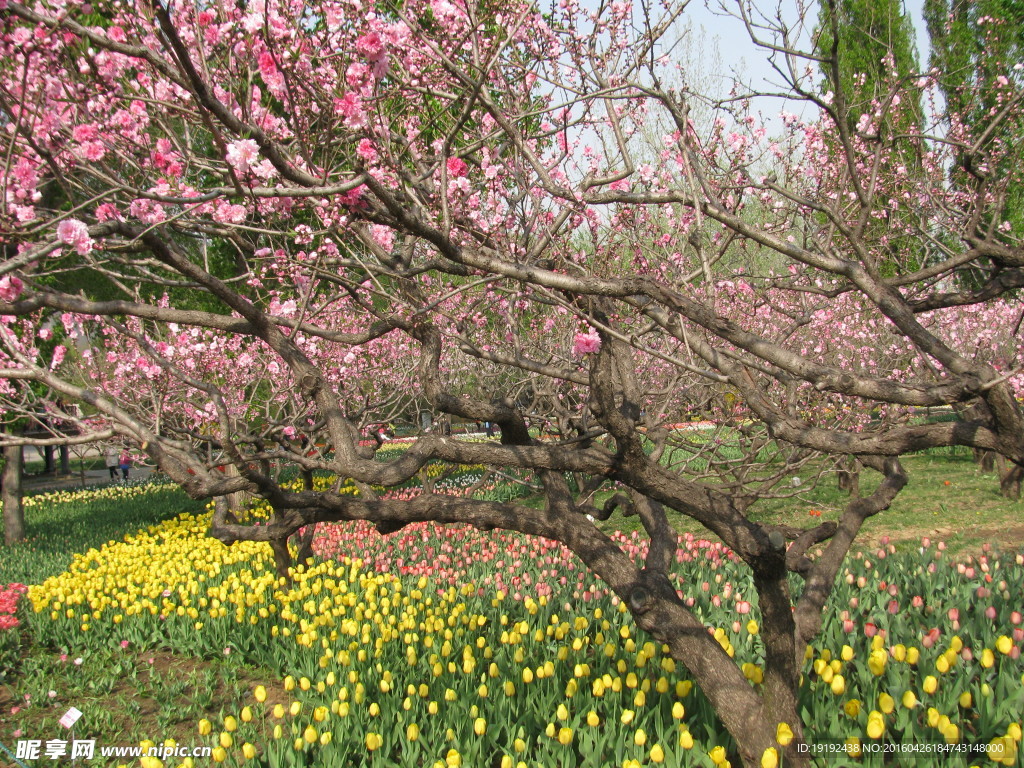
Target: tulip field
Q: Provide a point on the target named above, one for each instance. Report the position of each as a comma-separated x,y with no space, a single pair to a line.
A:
447,646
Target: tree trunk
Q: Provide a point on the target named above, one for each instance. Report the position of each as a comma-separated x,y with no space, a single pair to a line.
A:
14,512
1010,482
238,499
849,476
48,466
65,461
986,460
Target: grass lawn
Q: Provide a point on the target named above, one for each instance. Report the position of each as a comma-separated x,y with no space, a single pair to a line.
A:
948,497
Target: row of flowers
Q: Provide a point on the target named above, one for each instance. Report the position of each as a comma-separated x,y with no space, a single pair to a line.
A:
452,645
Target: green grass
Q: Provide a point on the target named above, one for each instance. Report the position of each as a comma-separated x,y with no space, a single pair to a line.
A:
947,497
37,466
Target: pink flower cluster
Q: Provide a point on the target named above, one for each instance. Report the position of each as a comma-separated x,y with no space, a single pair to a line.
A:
10,288
586,344
75,233
9,597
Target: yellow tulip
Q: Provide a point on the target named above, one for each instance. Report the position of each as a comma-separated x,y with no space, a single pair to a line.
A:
886,703
374,741
876,724
1004,644
909,700
877,661
965,699
783,734
565,736
479,726
838,685
592,719
930,684
686,740
205,727
770,758
260,694
987,658
248,751
852,708
717,755
639,738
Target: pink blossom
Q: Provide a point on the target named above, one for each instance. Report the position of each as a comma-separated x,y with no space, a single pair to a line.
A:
267,65
371,46
457,167
76,233
366,151
586,343
10,288
243,154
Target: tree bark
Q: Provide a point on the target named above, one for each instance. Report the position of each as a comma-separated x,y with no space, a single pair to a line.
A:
14,512
986,460
1010,482
65,461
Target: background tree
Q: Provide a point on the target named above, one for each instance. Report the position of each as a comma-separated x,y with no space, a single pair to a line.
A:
976,51
419,211
873,41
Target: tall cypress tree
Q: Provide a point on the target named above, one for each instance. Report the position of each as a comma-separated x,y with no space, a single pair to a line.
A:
874,42
975,43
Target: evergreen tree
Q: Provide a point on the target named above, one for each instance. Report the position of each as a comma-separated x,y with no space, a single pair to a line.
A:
872,42
976,49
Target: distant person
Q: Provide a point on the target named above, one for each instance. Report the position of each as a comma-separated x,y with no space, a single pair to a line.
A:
113,461
125,463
